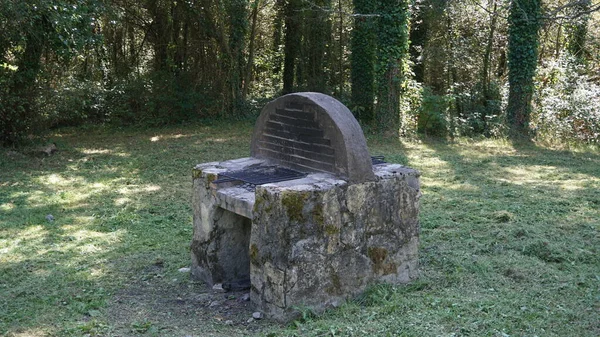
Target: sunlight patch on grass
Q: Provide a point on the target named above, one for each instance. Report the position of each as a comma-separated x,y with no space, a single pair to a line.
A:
434,185
542,175
122,201
167,137
17,244
38,241
56,179
96,151
133,189
35,332
214,140
7,206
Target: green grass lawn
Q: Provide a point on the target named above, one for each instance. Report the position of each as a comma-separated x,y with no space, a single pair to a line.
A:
510,240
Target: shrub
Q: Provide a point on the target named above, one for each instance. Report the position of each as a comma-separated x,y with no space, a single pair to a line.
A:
433,114
567,103
72,102
481,111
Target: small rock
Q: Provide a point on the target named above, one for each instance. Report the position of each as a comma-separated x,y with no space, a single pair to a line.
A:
50,217
184,270
218,287
229,322
49,149
245,297
257,315
214,304
250,320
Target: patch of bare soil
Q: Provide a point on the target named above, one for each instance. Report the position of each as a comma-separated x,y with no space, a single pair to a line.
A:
180,307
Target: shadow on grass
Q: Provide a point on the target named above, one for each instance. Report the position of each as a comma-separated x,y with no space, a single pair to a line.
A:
120,203
537,203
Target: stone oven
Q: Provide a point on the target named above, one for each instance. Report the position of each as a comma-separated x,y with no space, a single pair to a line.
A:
310,218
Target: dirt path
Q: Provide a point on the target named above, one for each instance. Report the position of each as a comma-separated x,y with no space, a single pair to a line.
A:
160,307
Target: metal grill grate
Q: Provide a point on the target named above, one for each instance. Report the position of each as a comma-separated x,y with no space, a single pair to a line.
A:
260,176
377,160
269,174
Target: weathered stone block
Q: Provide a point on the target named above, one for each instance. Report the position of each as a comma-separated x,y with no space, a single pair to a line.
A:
320,245
311,242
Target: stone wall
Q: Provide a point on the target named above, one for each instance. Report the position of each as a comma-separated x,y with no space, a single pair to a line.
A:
318,243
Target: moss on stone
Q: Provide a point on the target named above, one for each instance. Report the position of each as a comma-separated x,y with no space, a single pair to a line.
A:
259,199
254,254
318,214
331,230
294,204
336,284
211,177
378,256
196,173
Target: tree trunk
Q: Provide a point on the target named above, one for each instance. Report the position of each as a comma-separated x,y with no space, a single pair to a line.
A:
485,73
341,51
21,119
362,60
291,44
250,63
578,32
392,54
418,39
317,37
524,24
237,41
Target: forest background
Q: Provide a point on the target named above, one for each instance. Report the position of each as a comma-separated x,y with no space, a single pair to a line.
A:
93,237
522,68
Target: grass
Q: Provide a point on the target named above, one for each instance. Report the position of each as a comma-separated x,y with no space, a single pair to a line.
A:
510,240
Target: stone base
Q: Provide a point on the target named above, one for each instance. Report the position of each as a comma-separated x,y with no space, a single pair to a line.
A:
312,242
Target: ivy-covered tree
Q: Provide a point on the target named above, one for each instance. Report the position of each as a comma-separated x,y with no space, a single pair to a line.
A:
578,29
392,55
524,22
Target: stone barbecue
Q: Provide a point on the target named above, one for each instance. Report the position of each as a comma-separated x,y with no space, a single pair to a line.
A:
308,220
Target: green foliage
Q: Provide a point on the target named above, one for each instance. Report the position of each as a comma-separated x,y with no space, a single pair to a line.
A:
410,105
159,99
432,115
482,111
73,102
59,26
481,115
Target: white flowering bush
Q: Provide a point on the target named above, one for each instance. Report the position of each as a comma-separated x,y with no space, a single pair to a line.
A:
567,103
